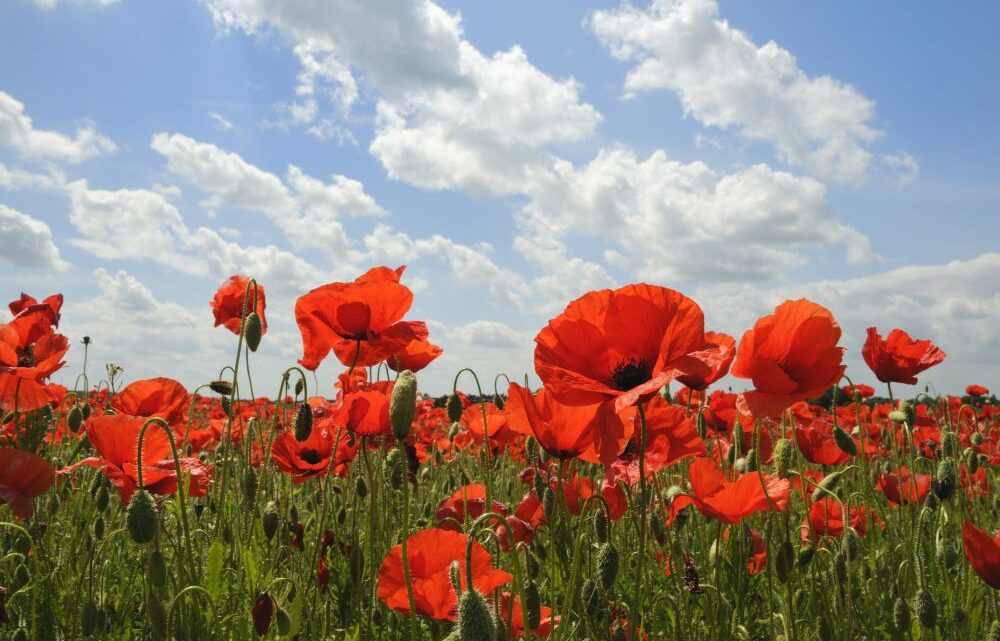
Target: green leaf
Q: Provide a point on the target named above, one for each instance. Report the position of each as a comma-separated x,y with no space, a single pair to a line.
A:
213,578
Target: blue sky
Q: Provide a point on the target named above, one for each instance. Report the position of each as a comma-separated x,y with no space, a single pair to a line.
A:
514,155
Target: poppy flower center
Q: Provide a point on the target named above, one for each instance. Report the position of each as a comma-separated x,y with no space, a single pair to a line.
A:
26,357
311,457
630,373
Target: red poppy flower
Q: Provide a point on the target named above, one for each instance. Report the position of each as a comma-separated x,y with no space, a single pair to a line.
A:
511,614
817,444
414,357
976,390
116,439
468,501
360,321
903,486
430,554
227,304
789,355
311,457
826,518
983,553
899,358
621,345
757,560
730,501
671,436
26,304
865,391
365,409
593,432
163,397
29,353
494,421
719,352
23,476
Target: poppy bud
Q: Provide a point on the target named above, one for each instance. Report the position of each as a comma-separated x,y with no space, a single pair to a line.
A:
533,566
995,631
531,448
897,416
548,502
601,526
752,460
341,515
252,330
223,388
403,404
844,441
75,418
806,553
262,612
361,488
300,386
199,507
971,460
102,498
901,615
394,469
947,552
949,443
977,438
592,596
782,457
85,410
156,615
89,618
946,479
851,544
140,517
607,565
227,405
925,608
829,483
20,635
658,532
303,422
157,569
533,603
454,407
249,484
783,563
475,623
95,485
455,576
283,620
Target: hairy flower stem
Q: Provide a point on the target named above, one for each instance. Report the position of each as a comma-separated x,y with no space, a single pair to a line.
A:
412,628
640,566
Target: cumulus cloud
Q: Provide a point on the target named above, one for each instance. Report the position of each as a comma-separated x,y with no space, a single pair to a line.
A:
726,80
27,242
18,132
17,179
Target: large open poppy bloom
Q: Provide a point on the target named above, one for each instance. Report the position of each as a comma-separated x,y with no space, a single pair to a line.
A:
898,358
414,357
163,397
983,552
29,353
311,457
622,345
52,305
593,432
789,355
227,304
116,439
360,321
430,554
23,476
727,501
671,436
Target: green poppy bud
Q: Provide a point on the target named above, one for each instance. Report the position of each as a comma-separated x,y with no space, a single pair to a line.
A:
901,615
533,603
156,568
454,407
783,457
601,526
303,422
829,483
75,418
89,618
222,388
946,479
925,608
85,410
403,404
949,443
252,330
141,518
249,484
844,441
283,621
156,615
607,565
99,527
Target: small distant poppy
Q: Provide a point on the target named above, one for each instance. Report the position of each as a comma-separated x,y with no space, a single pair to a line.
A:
898,358
903,486
227,304
976,390
305,459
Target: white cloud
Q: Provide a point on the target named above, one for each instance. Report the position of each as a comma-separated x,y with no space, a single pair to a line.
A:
726,80
221,122
52,4
27,242
17,179
18,132
490,334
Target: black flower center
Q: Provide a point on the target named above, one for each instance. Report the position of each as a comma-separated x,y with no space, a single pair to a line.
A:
630,373
311,457
26,357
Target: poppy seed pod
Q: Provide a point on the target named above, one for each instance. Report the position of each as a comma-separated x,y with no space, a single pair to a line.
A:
475,623
140,517
533,603
249,484
262,612
607,565
925,608
75,418
844,441
252,330
221,387
901,615
454,407
303,422
403,404
946,479
782,457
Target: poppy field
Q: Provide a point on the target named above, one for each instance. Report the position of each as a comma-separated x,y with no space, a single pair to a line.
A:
630,496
